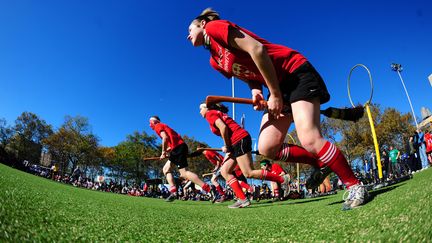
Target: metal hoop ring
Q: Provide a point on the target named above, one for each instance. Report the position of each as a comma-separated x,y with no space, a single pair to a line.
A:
370,79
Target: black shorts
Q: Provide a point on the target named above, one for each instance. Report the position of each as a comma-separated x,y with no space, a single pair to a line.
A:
304,83
242,147
240,177
178,156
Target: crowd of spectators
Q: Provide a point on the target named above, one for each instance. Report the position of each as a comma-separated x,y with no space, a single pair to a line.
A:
399,162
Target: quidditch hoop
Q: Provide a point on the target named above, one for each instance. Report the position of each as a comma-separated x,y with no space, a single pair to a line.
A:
370,79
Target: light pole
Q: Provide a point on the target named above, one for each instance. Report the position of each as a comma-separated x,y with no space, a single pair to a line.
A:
398,68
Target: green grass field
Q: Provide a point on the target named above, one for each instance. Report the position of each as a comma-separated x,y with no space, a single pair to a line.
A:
37,209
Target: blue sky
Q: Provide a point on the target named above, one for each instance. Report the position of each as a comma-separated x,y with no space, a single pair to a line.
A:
119,62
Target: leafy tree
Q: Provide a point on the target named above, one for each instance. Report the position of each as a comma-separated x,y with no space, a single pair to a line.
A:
29,131
73,144
127,162
5,133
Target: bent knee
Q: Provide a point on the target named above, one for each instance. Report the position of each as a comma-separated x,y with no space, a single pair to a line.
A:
312,145
268,151
247,174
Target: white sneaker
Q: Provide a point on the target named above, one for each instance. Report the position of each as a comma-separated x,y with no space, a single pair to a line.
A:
356,197
286,185
240,204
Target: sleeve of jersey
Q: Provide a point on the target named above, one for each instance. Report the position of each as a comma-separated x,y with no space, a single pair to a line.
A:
211,117
159,128
218,31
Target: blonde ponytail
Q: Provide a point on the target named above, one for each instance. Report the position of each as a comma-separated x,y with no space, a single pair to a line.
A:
208,14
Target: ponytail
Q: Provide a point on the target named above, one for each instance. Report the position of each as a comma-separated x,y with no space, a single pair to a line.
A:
208,15
219,107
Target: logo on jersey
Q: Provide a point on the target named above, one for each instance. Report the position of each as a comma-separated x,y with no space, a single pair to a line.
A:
242,71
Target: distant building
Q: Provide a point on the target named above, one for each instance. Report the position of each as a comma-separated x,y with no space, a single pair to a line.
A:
45,159
426,122
425,113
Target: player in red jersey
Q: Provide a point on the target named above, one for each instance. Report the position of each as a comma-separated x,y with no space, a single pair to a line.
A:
174,148
428,141
275,169
217,160
238,147
296,91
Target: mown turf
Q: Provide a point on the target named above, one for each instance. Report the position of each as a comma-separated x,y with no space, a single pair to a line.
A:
37,209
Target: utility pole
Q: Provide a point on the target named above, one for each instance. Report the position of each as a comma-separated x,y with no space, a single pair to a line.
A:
398,68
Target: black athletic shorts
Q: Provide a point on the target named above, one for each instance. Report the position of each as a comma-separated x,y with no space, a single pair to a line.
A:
242,147
178,156
304,83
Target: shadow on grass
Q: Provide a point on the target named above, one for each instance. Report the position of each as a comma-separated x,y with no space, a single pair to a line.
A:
310,200
287,202
373,194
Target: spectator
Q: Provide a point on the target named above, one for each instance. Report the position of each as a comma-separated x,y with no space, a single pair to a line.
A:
54,170
385,164
367,170
428,141
422,149
394,155
374,167
412,154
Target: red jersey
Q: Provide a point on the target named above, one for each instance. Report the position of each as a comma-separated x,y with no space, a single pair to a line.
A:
233,62
212,156
236,133
174,139
276,169
428,141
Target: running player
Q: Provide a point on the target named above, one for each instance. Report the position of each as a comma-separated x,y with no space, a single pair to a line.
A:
275,169
174,148
238,147
296,91
217,160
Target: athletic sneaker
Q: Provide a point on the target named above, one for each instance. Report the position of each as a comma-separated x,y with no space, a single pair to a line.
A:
317,177
221,199
357,195
171,197
286,182
240,204
212,195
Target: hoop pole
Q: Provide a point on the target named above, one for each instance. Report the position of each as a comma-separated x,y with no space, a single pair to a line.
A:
378,157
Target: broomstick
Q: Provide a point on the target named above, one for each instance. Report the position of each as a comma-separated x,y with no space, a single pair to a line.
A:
347,114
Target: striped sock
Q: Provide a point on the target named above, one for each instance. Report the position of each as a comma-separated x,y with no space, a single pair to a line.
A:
271,177
331,156
220,190
173,190
296,154
234,184
276,192
245,185
206,187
